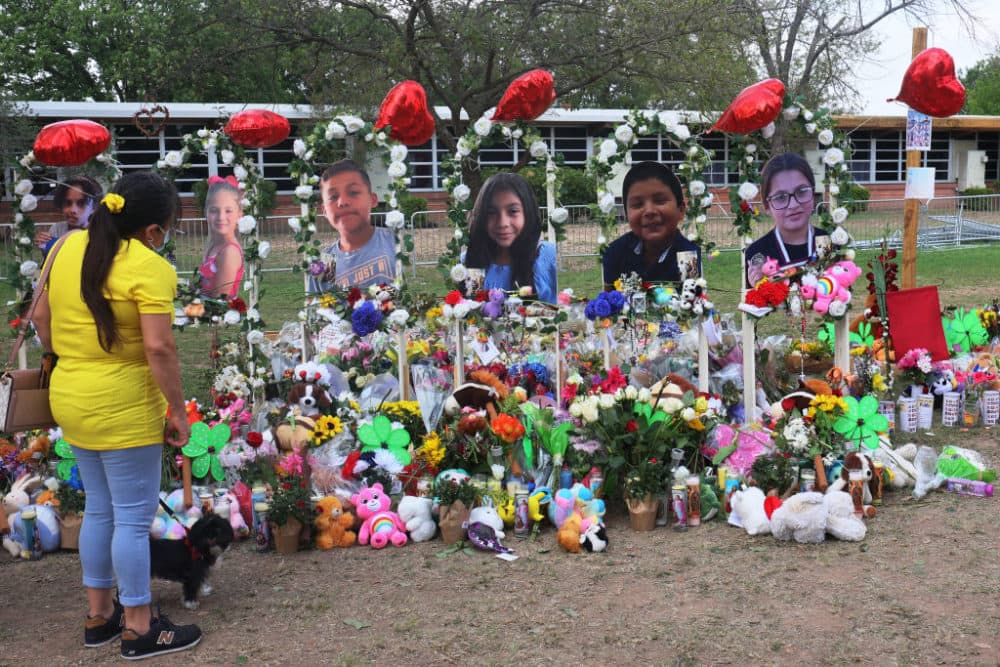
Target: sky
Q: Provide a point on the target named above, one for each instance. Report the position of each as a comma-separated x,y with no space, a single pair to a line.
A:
880,78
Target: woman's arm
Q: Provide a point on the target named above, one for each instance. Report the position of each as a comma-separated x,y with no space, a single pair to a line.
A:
227,264
161,353
42,320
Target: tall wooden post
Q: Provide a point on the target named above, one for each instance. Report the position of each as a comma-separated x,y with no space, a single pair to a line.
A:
911,207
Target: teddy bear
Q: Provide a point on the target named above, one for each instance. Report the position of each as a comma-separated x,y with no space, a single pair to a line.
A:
415,511
569,533
831,286
36,450
855,462
748,511
46,535
381,525
333,524
801,518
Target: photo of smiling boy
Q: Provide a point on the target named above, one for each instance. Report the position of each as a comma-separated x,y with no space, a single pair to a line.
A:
363,255
654,207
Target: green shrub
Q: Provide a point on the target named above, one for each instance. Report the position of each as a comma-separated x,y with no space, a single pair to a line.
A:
976,201
409,205
856,198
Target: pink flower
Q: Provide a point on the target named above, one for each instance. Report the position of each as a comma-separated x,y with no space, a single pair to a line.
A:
291,464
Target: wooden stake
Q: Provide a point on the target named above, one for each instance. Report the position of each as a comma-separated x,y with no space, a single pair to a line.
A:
911,207
4,525
749,369
186,478
459,369
606,344
558,366
702,358
404,375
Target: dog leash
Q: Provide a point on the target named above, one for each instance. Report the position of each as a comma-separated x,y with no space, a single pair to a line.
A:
195,554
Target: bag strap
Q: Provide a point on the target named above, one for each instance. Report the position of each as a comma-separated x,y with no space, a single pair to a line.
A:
39,288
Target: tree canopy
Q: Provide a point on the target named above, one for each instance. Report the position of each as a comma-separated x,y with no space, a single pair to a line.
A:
982,87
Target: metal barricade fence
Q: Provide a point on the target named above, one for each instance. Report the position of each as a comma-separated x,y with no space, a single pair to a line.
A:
946,221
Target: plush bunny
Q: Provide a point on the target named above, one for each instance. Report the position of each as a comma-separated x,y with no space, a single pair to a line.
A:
801,518
748,511
20,492
487,514
415,512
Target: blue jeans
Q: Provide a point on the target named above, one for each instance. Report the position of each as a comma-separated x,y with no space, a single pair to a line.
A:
122,487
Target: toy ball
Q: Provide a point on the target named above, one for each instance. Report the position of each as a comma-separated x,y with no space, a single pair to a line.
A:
527,97
753,108
405,111
930,86
257,128
70,143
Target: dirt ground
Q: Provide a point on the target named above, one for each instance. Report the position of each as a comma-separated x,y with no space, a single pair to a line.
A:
922,589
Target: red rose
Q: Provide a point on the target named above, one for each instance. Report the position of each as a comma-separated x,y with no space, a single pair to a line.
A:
787,404
300,503
286,486
632,427
454,298
482,296
255,439
353,296
239,305
15,323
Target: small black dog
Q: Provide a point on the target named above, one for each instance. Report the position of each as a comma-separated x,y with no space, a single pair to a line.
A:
189,561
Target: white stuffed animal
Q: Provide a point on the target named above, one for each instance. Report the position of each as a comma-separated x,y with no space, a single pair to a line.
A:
487,514
415,512
748,509
46,523
841,521
801,518
19,495
928,477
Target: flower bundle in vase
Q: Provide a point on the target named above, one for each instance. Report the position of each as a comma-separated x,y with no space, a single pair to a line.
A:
290,510
914,367
644,484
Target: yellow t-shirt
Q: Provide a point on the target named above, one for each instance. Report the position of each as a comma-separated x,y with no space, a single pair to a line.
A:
102,400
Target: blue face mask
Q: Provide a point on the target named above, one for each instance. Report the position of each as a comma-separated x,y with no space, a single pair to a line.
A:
163,245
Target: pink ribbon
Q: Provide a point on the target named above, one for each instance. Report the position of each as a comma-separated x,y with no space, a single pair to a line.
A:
212,180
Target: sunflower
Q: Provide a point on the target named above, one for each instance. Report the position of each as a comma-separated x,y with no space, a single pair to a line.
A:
326,428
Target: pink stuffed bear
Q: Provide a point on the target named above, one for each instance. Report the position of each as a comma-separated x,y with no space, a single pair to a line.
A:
240,528
831,286
380,525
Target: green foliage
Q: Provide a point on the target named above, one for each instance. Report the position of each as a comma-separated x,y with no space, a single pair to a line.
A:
291,501
982,87
649,477
856,198
576,186
977,201
410,204
448,491
70,500
772,471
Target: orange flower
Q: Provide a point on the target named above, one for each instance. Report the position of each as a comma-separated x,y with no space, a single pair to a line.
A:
507,428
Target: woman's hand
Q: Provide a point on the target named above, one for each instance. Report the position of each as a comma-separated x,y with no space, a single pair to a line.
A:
177,430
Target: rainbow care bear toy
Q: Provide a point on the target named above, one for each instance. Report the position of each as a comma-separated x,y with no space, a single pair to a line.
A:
831,286
380,525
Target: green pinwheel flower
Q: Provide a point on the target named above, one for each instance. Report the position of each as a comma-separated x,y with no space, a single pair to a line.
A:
964,330
203,449
863,337
861,422
827,334
68,459
380,434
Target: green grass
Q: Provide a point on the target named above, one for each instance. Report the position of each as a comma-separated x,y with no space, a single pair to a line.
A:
965,277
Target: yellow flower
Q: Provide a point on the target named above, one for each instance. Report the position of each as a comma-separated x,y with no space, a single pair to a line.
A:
700,404
114,203
618,284
434,312
878,383
326,427
858,351
432,450
827,403
327,301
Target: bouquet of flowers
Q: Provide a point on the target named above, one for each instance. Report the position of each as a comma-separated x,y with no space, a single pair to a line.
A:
291,501
916,365
649,478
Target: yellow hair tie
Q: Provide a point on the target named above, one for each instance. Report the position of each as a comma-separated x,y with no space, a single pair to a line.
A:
114,203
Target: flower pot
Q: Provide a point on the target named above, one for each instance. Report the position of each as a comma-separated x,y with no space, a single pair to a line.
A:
642,512
69,532
451,519
286,536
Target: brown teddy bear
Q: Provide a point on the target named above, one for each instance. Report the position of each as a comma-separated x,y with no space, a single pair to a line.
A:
333,524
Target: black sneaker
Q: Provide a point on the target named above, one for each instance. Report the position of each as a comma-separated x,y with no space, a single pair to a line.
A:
163,637
98,631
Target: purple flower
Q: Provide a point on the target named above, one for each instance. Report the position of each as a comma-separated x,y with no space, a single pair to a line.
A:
317,268
365,319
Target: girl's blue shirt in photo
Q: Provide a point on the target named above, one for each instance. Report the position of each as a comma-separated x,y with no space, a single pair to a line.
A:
499,275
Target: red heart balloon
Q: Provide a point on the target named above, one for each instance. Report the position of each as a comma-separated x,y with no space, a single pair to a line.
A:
257,128
527,97
753,108
70,143
771,503
929,85
405,111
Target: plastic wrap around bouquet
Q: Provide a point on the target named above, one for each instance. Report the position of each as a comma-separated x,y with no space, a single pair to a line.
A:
431,386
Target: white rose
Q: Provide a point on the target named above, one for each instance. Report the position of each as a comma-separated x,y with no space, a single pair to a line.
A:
839,214
398,317
244,203
264,249
459,234
352,123
559,215
837,308
601,239
295,224
461,192
748,191
575,410
751,148
517,134
160,164
18,218
791,113
624,134
825,137
459,273
202,133
395,219
227,156
606,203
24,240
304,192
631,393
834,189
697,188
482,126
607,401
693,151
645,395
460,310
311,228
247,285
397,169
174,159
28,203
462,148
682,132
253,315
23,187
590,413
538,150
381,136
29,268
808,115
299,147
849,254
687,414
810,127
246,224
28,159
707,200
255,337
701,218
232,317
335,131
608,148
397,153
840,236
240,172
833,157
693,236
768,131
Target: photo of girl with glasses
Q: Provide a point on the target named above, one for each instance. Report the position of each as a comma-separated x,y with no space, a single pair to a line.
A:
788,188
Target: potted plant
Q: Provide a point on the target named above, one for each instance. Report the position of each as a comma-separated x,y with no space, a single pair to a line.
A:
455,500
71,504
290,510
644,484
772,473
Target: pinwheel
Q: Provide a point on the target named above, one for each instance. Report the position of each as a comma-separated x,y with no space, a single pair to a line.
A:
861,422
381,434
204,447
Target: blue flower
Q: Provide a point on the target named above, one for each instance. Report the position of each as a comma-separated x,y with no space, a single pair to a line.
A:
615,299
365,319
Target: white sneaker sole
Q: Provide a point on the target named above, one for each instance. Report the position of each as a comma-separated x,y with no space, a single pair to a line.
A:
164,651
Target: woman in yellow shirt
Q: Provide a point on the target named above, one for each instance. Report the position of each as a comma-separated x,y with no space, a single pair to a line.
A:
117,374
